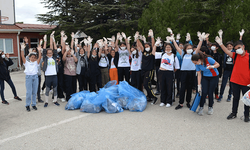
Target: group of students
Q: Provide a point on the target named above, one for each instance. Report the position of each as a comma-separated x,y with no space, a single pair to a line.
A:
193,67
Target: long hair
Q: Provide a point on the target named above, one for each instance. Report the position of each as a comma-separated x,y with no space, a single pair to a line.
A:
147,43
171,45
137,53
185,48
200,56
1,59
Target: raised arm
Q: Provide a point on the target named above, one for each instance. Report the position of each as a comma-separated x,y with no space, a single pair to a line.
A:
39,48
158,41
219,41
116,42
45,41
65,54
22,52
88,50
241,34
72,39
139,44
177,47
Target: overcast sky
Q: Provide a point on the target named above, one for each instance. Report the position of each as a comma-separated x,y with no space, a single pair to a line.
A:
26,11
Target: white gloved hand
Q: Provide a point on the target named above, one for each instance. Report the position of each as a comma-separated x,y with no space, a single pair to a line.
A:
170,31
72,35
41,42
105,41
85,41
45,38
151,33
39,48
129,39
118,36
218,40
178,36
67,48
62,33
199,89
171,38
242,32
72,52
124,35
76,42
64,38
167,39
136,37
82,42
90,40
199,34
52,34
188,37
158,41
210,67
220,32
23,45
144,39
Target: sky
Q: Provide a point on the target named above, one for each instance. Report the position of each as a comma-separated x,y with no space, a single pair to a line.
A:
26,11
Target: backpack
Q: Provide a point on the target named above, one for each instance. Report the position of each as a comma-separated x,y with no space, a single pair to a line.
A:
235,56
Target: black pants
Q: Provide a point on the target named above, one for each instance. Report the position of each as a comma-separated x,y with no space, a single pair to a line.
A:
82,81
60,85
95,80
136,79
70,85
39,88
178,80
147,77
187,78
158,75
167,86
123,71
225,78
2,88
236,93
208,85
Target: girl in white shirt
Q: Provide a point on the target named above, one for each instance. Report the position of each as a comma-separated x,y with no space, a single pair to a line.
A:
136,56
31,69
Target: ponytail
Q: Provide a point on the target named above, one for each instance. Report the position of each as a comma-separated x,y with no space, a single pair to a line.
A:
200,56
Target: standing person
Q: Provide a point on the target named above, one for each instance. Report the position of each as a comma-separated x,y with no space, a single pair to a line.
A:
81,69
228,65
218,58
31,69
50,69
240,75
159,49
5,62
209,79
123,61
136,56
147,66
113,57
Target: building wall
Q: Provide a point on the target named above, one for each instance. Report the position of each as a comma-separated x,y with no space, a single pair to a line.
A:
30,35
12,36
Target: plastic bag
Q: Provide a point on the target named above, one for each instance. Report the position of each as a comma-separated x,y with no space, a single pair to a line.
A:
123,102
196,102
76,100
246,98
110,83
138,104
111,106
90,104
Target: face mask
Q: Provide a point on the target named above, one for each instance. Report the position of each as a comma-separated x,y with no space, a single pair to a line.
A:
81,54
94,56
103,55
3,56
123,48
134,52
78,48
147,49
160,45
169,52
213,48
59,50
189,51
239,51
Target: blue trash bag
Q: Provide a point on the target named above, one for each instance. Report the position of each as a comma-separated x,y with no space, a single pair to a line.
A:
110,83
76,100
138,104
123,102
111,106
196,102
90,104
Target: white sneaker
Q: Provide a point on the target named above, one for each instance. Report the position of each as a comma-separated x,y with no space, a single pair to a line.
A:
42,92
162,104
51,91
63,100
168,105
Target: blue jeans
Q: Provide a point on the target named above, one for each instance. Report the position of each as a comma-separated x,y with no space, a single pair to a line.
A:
31,89
2,88
226,76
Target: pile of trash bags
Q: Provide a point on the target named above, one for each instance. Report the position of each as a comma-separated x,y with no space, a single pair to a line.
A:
112,98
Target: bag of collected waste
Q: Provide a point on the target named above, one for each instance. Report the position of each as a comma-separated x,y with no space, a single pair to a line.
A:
91,104
111,106
246,98
138,104
196,102
110,83
76,100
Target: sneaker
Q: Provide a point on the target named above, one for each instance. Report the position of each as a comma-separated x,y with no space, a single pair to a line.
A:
219,99
28,108
231,116
177,95
5,102
162,104
157,93
154,100
246,119
188,105
229,98
178,107
168,105
42,92
40,101
34,107
216,96
46,105
63,100
210,111
149,99
200,111
17,98
57,104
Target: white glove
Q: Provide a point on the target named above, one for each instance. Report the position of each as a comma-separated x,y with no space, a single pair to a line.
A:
242,32
72,52
129,38
23,45
170,31
105,41
218,40
171,38
198,33
124,35
112,39
64,38
39,48
76,42
178,36
158,41
90,40
210,67
72,35
67,48
136,37
100,43
118,36
45,38
82,42
167,39
199,89
85,41
188,37
52,34
62,33
151,33
220,33
41,41
144,39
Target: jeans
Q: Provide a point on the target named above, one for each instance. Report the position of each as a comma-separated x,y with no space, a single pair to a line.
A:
2,88
31,89
226,76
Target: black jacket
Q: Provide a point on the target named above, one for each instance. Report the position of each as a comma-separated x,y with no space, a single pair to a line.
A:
218,57
115,59
4,72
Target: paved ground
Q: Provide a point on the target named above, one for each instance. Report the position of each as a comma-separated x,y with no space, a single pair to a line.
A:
155,128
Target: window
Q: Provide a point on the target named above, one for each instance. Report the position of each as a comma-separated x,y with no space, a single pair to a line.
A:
6,45
34,42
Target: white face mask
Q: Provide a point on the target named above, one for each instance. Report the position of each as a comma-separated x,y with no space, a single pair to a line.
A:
78,48
160,45
103,55
134,52
3,56
147,49
213,48
59,50
239,51
123,48
189,51
81,54
94,56
169,52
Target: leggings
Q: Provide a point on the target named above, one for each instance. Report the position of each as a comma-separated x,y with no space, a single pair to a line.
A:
147,77
9,81
136,79
51,81
123,71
